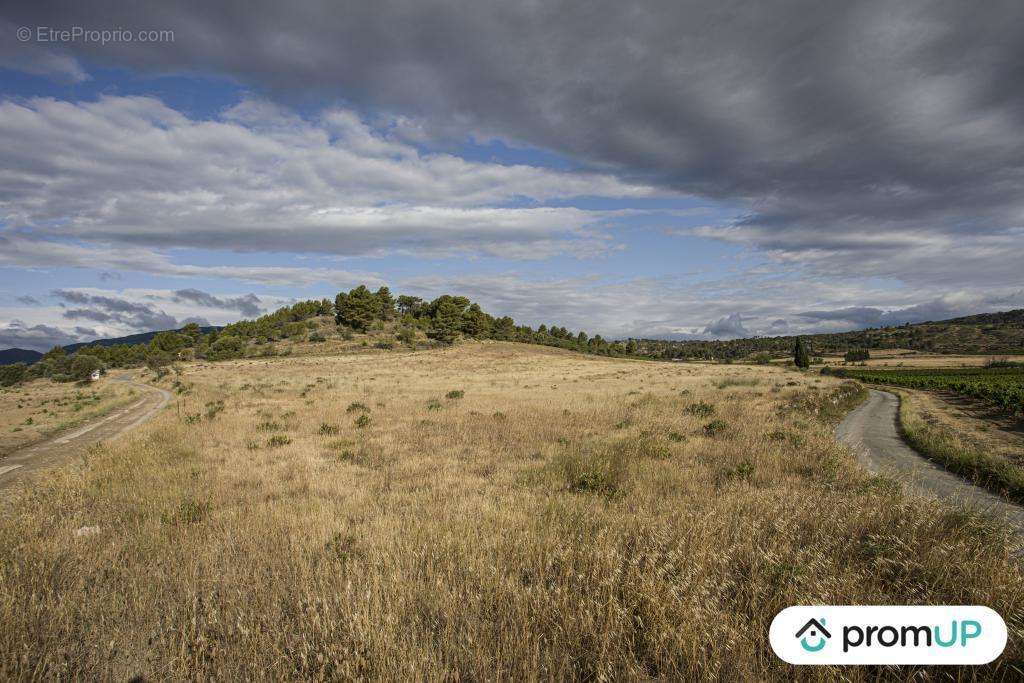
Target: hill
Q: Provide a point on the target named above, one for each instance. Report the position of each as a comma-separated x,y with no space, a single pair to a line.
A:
28,356
982,334
11,356
141,338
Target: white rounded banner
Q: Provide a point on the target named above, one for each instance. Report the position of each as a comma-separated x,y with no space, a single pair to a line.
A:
859,634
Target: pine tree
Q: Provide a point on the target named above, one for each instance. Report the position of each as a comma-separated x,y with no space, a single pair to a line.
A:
447,321
386,302
357,309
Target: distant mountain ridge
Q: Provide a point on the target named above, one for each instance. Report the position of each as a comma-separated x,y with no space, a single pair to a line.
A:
980,334
9,356
140,338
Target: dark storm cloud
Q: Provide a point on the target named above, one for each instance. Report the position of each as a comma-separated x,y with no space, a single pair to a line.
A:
18,334
248,305
867,316
28,300
107,309
87,314
729,326
853,131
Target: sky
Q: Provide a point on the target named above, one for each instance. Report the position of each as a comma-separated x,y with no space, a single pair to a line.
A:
658,169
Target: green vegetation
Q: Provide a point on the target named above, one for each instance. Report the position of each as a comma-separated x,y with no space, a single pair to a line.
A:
1001,386
984,334
801,356
857,355
700,409
444,320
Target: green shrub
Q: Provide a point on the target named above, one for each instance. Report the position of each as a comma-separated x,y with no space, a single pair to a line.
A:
213,408
604,471
363,421
700,409
743,471
329,429
715,427
278,440
190,511
455,393
357,406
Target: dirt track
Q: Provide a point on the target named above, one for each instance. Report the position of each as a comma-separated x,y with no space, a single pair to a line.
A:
871,431
61,448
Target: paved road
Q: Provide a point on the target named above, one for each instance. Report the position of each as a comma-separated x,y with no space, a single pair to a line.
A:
63,447
871,431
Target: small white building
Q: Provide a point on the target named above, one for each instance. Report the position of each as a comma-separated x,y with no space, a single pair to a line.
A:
94,376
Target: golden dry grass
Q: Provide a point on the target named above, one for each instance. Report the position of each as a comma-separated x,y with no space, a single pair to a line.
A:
567,517
976,424
31,412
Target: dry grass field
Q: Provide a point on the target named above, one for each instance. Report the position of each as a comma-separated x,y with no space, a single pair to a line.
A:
31,412
490,511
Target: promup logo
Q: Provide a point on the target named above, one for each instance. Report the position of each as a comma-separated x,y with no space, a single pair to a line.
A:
817,630
888,635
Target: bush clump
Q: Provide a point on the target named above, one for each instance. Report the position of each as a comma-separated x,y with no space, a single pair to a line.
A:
700,409
604,471
715,427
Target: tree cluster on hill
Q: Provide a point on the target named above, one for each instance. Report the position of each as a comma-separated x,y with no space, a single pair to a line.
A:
55,364
855,355
443,320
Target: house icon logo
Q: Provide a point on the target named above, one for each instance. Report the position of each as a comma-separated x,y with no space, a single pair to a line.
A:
817,633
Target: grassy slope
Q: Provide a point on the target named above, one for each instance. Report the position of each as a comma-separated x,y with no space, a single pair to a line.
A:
452,537
955,450
54,407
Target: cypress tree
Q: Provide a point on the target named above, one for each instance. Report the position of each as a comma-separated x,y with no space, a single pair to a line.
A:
801,356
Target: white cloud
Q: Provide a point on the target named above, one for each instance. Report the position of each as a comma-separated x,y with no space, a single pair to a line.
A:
748,304
132,171
24,252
